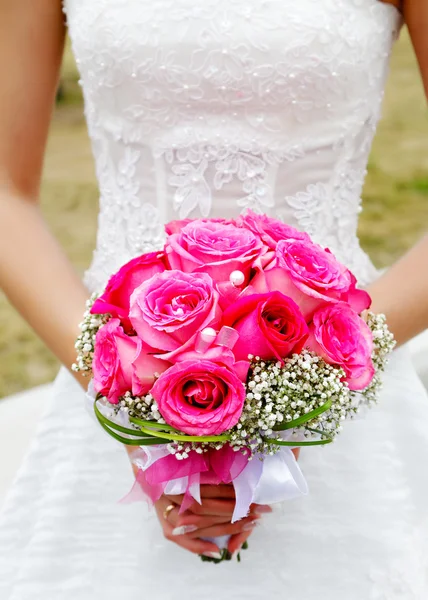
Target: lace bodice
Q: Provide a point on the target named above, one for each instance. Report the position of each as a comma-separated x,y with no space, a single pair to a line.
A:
206,108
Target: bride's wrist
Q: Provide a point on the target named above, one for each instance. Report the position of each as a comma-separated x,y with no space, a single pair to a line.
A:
401,294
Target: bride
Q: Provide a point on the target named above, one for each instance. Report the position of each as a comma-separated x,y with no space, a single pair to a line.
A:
206,109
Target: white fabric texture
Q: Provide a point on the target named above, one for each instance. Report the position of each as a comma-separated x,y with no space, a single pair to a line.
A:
205,109
20,412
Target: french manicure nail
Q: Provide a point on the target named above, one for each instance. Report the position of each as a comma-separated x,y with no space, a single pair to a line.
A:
249,526
215,555
262,509
184,529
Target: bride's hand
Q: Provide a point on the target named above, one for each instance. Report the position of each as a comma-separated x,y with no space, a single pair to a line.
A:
210,519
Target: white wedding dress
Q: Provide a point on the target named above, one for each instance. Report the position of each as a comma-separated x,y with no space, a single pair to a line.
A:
205,108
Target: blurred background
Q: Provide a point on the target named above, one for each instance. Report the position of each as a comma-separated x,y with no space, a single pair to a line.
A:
395,208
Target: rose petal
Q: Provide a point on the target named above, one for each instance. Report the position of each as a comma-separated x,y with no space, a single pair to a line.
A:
215,383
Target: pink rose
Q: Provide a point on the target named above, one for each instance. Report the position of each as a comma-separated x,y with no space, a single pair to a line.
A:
311,276
176,226
269,325
271,231
218,354
122,363
116,297
213,247
168,310
200,398
343,339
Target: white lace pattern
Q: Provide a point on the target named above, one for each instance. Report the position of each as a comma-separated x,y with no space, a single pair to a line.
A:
194,115
203,108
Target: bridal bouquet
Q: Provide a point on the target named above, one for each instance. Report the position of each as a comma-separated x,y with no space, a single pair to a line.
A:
216,356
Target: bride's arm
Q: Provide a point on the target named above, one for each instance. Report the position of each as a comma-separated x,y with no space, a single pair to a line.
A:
34,272
402,292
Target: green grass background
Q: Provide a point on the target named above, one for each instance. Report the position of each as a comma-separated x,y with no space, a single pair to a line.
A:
395,199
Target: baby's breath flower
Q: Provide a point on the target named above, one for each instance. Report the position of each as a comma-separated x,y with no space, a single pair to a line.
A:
280,393
383,340
141,407
285,392
383,345
85,342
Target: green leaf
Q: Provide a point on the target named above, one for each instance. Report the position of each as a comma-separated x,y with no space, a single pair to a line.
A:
298,444
114,425
136,440
318,431
152,436
186,438
154,424
304,418
132,442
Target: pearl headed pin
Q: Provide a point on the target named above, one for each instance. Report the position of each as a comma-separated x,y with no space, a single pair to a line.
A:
237,278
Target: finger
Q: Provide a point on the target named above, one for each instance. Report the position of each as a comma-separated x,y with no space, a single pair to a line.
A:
192,522
220,511
174,499
218,491
213,507
196,546
236,541
225,529
209,506
209,491
261,509
173,516
198,521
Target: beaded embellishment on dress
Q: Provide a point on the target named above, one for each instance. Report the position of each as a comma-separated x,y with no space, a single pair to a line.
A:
192,115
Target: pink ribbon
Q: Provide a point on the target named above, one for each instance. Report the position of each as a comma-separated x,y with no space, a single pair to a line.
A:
262,480
213,467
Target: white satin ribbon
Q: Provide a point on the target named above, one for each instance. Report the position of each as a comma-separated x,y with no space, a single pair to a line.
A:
267,480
